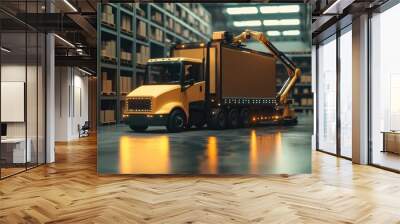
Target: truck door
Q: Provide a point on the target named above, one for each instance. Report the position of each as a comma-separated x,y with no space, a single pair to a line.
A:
194,80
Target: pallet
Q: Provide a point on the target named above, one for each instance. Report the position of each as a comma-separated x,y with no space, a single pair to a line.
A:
109,59
129,32
141,37
108,24
125,62
108,93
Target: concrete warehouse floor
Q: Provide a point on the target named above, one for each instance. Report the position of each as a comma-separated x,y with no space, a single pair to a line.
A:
260,150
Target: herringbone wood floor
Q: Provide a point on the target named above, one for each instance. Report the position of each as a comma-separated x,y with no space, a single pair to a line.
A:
70,191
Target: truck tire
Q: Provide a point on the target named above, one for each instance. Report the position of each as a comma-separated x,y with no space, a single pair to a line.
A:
138,128
217,120
233,118
176,121
244,118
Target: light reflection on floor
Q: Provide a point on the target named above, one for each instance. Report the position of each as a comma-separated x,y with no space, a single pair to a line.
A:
260,150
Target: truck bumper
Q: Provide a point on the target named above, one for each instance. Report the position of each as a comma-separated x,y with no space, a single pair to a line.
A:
148,120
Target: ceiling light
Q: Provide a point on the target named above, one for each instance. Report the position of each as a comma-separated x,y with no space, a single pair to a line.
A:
5,49
282,22
271,22
272,33
291,33
288,22
65,41
242,10
280,9
247,23
333,7
84,71
70,5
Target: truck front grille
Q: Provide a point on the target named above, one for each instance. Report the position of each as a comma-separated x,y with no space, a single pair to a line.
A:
139,104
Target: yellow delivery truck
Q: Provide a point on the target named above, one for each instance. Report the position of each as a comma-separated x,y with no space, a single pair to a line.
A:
221,84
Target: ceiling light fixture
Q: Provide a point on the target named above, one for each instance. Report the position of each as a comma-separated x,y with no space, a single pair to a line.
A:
242,10
281,22
291,33
247,23
5,49
280,9
273,33
65,41
332,8
84,71
70,5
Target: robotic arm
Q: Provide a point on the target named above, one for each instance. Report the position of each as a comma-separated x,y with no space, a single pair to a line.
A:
293,72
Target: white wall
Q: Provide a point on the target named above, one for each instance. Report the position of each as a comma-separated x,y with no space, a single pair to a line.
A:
71,102
33,127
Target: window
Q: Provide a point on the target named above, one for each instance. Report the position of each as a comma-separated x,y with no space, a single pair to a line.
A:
327,96
385,89
192,71
346,93
22,76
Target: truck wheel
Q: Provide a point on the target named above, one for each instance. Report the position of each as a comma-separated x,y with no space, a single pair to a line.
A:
245,118
176,121
138,128
217,120
233,118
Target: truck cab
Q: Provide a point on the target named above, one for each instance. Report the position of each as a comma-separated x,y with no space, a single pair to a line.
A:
175,86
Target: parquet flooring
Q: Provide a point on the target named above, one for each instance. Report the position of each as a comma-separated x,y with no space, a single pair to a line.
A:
70,191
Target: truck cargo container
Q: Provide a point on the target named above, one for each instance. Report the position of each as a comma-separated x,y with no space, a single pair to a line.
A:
221,83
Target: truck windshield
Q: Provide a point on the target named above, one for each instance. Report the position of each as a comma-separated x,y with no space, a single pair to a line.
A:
165,73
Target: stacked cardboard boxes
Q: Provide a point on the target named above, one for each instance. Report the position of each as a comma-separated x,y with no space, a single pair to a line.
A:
306,102
185,33
169,7
126,57
107,16
178,28
305,78
157,34
157,17
143,55
107,85
107,116
108,49
139,10
141,29
125,84
169,23
126,24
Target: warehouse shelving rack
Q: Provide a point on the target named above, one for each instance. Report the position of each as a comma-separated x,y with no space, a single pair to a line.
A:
131,42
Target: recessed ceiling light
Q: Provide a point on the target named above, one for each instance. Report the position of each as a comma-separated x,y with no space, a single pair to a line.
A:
281,22
64,40
84,71
70,5
280,9
242,10
5,50
247,23
291,33
272,33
